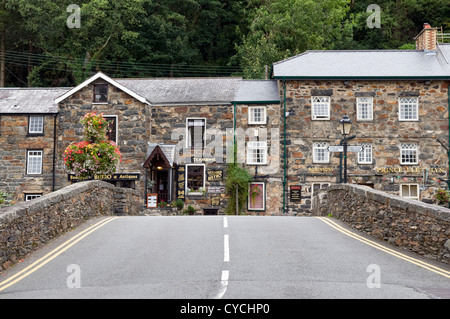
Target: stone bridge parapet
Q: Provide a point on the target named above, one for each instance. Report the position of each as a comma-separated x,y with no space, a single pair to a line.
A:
28,225
410,224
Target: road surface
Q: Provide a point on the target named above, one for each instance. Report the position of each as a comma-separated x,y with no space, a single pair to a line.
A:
222,257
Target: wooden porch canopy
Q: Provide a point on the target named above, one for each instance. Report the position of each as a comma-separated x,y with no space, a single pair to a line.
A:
157,158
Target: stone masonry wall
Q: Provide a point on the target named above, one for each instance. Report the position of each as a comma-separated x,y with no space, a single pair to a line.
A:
26,226
133,129
413,225
385,133
15,141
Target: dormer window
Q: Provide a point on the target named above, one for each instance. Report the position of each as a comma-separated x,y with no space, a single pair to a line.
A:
101,93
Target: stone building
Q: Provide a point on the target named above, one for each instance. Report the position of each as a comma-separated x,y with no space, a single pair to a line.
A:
398,103
176,135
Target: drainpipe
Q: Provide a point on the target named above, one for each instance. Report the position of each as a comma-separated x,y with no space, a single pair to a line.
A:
54,152
284,116
448,150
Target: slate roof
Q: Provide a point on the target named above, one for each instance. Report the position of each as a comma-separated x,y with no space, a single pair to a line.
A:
29,100
257,91
168,150
176,91
366,64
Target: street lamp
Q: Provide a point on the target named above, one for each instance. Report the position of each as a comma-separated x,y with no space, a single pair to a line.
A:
345,127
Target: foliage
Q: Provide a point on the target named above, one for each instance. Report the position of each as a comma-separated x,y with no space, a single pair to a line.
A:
179,204
190,210
442,196
96,155
162,204
236,178
4,201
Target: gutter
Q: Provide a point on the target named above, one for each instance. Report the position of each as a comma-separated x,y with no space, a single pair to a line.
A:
284,127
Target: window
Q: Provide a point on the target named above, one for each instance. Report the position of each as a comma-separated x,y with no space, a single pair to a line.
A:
101,93
257,196
365,156
29,197
195,177
257,115
408,154
320,153
364,108
196,133
112,127
410,191
36,125
317,186
408,109
320,107
256,153
34,162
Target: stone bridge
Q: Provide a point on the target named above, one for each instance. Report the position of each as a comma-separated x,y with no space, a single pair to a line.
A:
413,225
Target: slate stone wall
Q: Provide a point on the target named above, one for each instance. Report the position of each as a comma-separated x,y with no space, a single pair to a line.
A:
27,226
385,133
133,128
14,143
412,225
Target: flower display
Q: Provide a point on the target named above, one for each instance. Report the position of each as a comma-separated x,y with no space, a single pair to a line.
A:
95,155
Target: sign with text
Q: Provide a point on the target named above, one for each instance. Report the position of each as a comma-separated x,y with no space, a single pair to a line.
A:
214,175
180,182
152,200
108,177
295,193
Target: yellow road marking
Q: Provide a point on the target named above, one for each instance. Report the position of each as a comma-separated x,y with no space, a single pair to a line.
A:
53,254
385,249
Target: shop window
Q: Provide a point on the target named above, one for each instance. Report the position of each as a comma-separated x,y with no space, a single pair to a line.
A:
257,196
195,179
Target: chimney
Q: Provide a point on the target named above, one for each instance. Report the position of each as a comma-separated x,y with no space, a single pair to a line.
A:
426,40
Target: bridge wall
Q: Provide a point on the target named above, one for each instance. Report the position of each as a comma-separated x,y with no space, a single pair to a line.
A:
413,225
28,225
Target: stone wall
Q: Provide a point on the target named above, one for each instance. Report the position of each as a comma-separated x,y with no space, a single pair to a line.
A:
14,143
385,133
413,225
133,128
28,225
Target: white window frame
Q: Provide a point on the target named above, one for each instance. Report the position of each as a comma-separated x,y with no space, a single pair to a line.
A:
408,195
264,197
188,134
408,102
364,108
318,102
366,156
321,186
255,146
251,115
35,125
34,155
186,180
318,147
405,148
29,197
117,125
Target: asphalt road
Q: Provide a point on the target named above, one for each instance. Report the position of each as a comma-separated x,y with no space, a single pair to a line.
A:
208,257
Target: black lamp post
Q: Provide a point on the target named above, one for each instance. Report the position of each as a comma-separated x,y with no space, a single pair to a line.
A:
345,127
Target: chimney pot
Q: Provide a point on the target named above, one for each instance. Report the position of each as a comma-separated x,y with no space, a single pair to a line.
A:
426,26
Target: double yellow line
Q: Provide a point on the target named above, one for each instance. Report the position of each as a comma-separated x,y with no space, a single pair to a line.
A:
53,254
385,249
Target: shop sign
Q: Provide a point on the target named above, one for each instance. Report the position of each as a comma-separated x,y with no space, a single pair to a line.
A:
295,193
409,169
108,177
214,175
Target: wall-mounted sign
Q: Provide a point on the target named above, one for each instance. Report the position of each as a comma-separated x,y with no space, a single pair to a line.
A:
216,189
215,201
181,182
152,200
214,175
409,169
295,193
204,160
108,177
321,170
